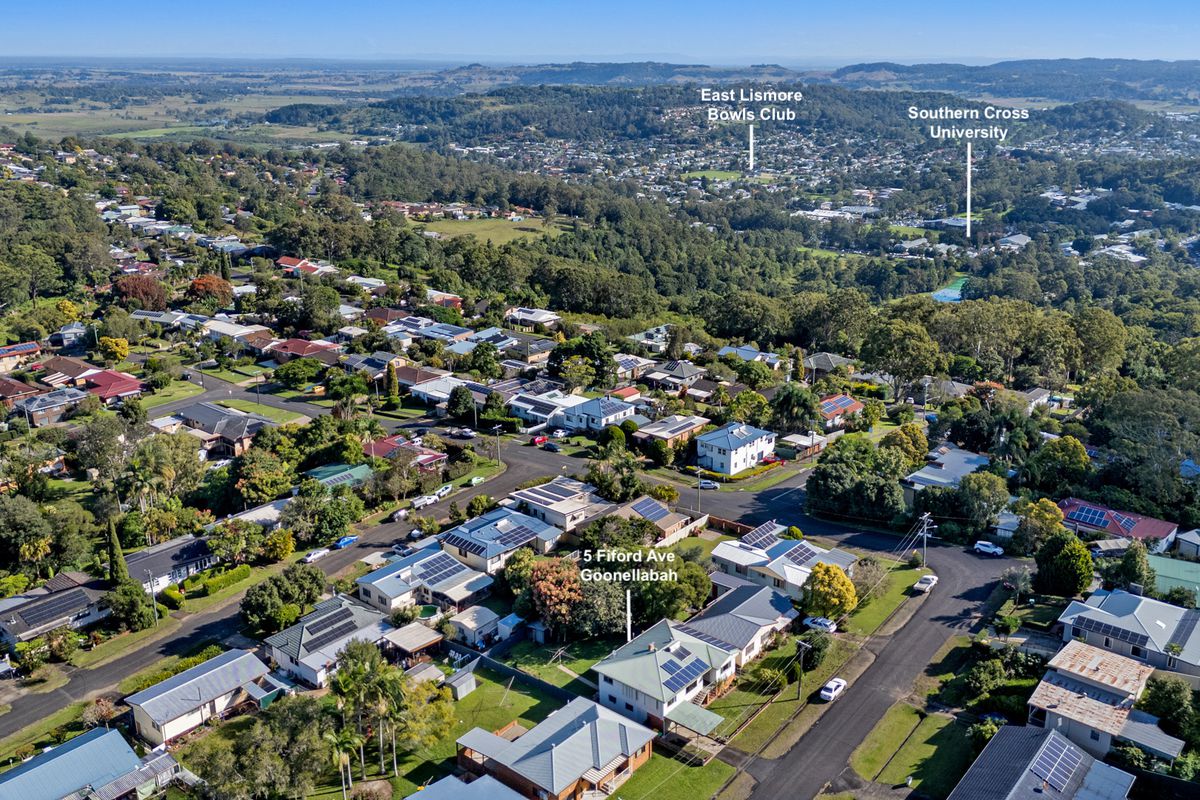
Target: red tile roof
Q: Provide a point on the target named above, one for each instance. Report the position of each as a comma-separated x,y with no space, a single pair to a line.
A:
1095,517
301,347
109,383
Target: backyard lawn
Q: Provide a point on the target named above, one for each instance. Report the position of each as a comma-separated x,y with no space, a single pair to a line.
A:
280,415
665,778
580,656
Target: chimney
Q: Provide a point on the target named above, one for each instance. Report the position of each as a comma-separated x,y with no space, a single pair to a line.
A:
652,647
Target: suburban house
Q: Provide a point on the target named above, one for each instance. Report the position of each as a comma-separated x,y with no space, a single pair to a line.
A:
1028,762
443,299
765,559
14,355
373,364
665,675
48,408
945,466
631,367
289,349
748,353
836,410
222,432
802,445
818,365
424,459
185,701
112,387
673,429
733,448
475,625
333,475
427,577
486,543
563,502
68,335
162,564
96,764
1156,633
483,787
579,749
672,526
69,598
747,617
530,318
308,650
1088,695
12,391
59,371
545,408
1079,515
597,414
674,376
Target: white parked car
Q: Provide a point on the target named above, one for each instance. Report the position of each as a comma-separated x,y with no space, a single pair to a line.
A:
558,433
707,484
925,583
316,554
821,624
402,514
444,491
424,500
988,549
833,690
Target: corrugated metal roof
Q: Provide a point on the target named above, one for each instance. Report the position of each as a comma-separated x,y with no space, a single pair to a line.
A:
94,758
192,688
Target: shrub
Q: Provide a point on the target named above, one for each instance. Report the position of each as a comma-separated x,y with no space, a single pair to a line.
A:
225,579
146,681
1006,626
171,597
818,647
985,676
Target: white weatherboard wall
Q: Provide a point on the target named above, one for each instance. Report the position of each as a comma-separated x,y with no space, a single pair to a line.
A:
155,735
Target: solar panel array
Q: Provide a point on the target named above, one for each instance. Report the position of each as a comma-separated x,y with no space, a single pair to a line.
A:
332,635
439,568
649,509
683,674
1088,516
801,553
1125,522
1104,629
463,543
1186,627
680,427
763,536
832,405
1057,762
516,537
705,637
341,615
54,608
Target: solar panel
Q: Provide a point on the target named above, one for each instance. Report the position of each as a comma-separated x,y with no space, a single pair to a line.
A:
801,553
1185,628
650,509
54,608
516,537
322,624
561,492
1088,516
332,635
1125,522
1057,762
682,653
463,543
763,536
671,667
705,637
1112,631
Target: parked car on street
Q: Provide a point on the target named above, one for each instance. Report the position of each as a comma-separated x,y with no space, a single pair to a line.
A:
559,433
424,500
464,433
344,542
821,624
988,549
400,515
833,690
316,554
925,583
707,484
478,479
539,440
551,447
444,491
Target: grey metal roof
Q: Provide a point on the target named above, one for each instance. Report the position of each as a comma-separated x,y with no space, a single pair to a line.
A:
227,422
296,640
162,558
50,400
556,753
451,788
94,758
1142,729
192,688
739,615
1005,770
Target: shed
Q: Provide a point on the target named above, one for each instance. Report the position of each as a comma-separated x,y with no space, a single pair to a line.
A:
475,624
508,626
462,683
425,673
538,632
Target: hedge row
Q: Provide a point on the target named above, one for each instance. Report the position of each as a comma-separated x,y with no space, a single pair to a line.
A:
225,579
212,651
171,597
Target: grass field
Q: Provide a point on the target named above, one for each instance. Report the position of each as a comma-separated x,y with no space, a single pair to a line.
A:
270,412
664,778
178,390
580,656
870,757
115,646
496,231
866,620
936,756
712,174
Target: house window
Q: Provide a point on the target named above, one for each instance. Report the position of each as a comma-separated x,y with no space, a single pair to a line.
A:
365,592
612,699
629,706
1171,662
1137,652
1095,736
607,679
1107,642
1079,634
778,582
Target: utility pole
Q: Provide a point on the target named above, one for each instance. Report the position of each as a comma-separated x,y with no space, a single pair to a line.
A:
153,601
496,430
927,528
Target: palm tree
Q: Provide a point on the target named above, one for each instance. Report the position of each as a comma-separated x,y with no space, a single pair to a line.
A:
795,408
34,551
343,744
394,687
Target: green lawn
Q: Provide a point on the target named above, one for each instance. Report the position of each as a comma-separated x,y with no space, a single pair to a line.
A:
279,415
116,645
943,677
236,374
580,656
408,409
66,489
665,778
936,756
705,544
40,734
496,231
908,230
194,605
177,390
1040,615
870,757
712,174
767,480
867,619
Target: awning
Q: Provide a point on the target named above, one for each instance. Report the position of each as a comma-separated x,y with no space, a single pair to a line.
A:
694,718
413,637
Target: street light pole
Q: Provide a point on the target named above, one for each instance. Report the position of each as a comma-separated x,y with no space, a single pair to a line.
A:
496,430
927,527
153,601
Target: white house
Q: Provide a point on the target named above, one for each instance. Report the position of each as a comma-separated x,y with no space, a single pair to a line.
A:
486,543
529,317
475,624
763,558
746,617
733,447
563,502
597,414
308,650
428,576
186,701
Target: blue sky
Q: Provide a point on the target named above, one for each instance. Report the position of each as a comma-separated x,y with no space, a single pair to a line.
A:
744,31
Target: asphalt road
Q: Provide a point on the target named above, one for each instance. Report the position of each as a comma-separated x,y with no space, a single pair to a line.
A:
964,582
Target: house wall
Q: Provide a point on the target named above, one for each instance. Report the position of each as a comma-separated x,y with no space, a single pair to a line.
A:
1189,549
683,532
1097,743
156,735
760,578
385,603
1154,658
299,671
731,462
